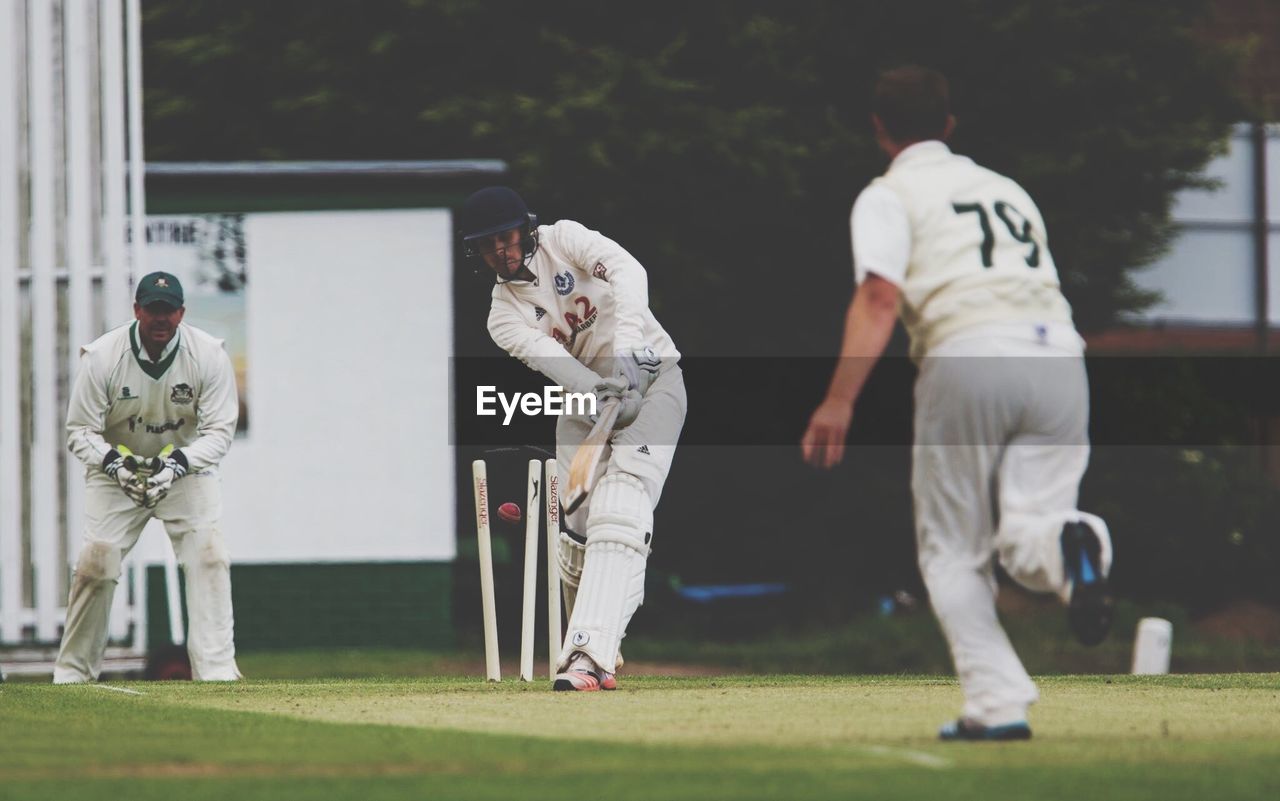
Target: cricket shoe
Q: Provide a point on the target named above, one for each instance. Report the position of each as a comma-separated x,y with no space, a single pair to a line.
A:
968,729
1090,610
582,675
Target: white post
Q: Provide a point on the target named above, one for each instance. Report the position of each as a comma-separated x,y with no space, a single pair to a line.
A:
529,608
115,269
1152,646
139,578
114,284
137,163
45,441
480,481
115,274
10,420
551,488
177,634
79,116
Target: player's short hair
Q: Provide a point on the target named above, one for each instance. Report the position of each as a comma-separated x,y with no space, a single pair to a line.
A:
912,102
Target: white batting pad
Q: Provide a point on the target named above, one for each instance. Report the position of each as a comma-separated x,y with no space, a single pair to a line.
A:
570,555
612,588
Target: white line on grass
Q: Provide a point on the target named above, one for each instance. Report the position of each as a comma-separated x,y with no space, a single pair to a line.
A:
116,689
915,757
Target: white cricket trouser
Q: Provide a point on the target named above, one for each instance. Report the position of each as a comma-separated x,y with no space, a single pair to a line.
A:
1001,443
191,513
643,450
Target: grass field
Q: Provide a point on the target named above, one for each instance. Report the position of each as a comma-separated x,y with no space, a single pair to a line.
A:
787,737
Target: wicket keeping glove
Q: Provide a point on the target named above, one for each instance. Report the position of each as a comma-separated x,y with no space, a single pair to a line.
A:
638,366
113,464
173,467
629,400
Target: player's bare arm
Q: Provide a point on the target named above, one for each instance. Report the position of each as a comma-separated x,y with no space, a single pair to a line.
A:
868,326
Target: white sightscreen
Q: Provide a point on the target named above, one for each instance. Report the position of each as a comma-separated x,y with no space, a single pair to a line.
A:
346,345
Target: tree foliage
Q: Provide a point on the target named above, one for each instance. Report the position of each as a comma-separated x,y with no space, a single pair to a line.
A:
722,141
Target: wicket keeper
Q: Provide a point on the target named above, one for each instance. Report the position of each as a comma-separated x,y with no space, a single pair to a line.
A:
154,382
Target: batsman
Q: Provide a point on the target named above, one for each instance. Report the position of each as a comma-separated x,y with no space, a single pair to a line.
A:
573,305
164,390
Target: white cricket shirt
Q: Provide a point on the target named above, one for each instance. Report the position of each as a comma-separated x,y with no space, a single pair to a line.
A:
965,245
589,298
120,397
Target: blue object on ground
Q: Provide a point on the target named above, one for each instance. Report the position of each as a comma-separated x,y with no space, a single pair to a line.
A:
707,593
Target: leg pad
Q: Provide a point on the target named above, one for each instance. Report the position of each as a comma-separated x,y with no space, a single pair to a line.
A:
618,535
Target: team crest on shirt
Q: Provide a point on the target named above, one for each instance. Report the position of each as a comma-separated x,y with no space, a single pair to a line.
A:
600,272
564,283
539,312
182,394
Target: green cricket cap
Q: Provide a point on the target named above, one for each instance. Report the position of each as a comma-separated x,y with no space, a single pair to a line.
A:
159,287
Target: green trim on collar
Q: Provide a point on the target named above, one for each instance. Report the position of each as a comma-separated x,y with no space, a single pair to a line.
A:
153,369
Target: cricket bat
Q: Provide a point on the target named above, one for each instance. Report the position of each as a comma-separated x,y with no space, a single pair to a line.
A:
582,470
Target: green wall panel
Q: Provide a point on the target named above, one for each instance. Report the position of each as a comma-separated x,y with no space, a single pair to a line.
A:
385,604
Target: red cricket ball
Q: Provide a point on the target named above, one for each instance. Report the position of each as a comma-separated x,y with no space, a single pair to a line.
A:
509,512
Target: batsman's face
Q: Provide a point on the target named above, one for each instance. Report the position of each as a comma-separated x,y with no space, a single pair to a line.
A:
501,251
157,322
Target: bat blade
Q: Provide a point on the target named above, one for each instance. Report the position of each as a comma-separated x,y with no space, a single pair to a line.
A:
582,470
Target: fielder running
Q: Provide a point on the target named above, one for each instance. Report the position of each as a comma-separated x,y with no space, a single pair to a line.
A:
574,305
1001,400
145,385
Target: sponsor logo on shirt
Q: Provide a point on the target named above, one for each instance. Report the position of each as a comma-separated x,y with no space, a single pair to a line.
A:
127,394
539,312
167,425
643,449
155,428
564,283
600,272
182,394
577,322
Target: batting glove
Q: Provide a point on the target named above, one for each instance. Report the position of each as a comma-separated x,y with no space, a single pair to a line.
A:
113,464
161,481
638,366
616,389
